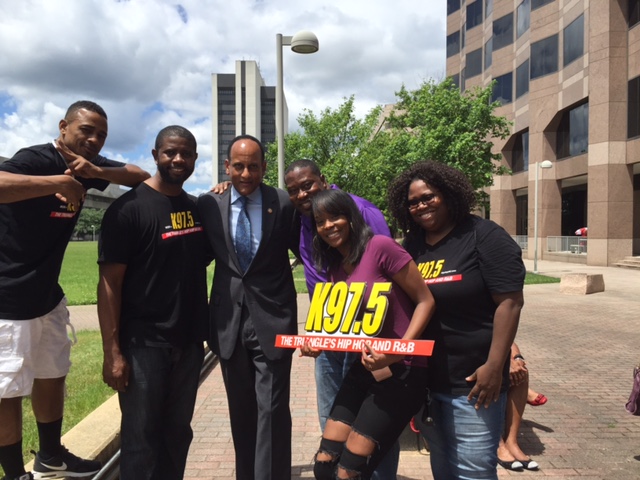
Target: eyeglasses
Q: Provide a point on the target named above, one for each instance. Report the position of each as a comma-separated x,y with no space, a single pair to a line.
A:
415,203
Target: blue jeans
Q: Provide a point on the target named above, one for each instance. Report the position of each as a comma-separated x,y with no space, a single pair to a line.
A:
463,441
157,407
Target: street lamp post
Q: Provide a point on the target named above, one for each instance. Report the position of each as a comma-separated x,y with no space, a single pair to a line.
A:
301,42
539,165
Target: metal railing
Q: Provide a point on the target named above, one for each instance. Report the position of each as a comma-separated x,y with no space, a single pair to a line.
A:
576,245
521,240
572,244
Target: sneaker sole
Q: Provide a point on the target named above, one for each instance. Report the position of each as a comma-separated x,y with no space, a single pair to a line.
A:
49,475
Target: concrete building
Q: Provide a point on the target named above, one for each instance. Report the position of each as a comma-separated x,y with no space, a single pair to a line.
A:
242,104
568,77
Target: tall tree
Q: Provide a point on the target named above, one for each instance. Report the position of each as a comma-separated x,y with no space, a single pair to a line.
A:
435,122
89,221
334,139
438,122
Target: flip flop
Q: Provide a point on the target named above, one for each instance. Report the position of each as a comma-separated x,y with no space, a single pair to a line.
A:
539,400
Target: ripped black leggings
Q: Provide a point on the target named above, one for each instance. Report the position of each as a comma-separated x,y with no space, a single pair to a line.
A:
376,410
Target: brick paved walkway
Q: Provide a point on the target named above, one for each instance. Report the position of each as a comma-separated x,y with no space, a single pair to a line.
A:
581,351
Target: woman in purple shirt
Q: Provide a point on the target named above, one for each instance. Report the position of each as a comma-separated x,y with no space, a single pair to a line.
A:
381,392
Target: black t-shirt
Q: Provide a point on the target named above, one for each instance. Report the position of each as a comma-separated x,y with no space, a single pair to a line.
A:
161,240
475,260
34,234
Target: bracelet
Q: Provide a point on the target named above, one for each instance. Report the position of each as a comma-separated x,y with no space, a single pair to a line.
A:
518,357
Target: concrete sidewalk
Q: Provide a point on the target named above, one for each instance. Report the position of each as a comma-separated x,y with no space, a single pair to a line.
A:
580,350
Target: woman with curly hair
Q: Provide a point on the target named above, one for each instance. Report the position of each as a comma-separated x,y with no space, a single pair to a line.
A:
380,393
476,274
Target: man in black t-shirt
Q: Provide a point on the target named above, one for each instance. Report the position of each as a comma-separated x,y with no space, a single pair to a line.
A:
42,189
152,306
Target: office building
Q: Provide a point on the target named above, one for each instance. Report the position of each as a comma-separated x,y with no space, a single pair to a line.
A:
567,75
242,104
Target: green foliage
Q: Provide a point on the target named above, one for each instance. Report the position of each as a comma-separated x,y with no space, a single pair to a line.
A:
89,219
438,122
435,122
79,274
334,140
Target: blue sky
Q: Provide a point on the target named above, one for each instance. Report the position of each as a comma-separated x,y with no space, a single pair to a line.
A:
149,62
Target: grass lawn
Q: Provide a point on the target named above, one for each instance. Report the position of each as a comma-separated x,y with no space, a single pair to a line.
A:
79,275
534,279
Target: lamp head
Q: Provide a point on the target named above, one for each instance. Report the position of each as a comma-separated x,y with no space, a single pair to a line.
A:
546,164
305,42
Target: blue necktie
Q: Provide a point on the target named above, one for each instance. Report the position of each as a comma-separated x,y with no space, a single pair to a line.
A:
243,236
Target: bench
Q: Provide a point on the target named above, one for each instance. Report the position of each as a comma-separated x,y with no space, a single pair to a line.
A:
581,283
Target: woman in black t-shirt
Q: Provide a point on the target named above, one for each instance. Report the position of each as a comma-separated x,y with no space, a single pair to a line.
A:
476,274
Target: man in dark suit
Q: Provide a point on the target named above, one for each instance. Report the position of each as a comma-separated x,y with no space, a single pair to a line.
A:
250,229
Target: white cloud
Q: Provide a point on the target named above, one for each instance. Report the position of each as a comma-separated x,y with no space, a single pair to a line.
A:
149,62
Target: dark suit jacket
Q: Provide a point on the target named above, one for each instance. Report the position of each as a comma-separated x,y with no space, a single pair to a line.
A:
266,288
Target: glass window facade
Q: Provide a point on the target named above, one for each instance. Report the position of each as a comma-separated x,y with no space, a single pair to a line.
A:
503,32
488,8
573,41
452,6
573,132
474,63
634,12
453,44
520,157
544,57
488,51
503,89
522,78
523,18
633,104
474,14
456,79
539,3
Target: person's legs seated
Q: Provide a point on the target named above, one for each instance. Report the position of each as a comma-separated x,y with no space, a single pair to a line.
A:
509,450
